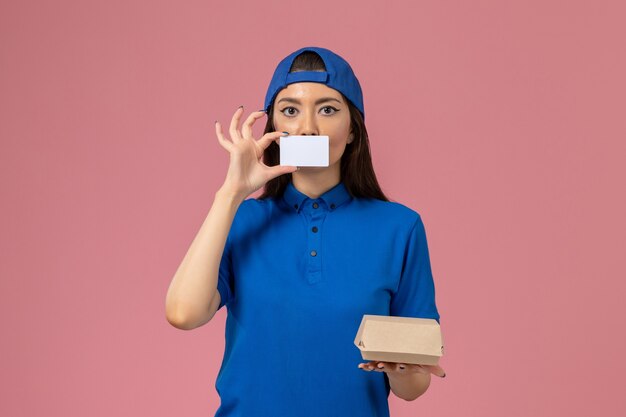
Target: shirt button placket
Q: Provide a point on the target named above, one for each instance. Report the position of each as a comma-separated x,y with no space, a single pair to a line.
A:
314,273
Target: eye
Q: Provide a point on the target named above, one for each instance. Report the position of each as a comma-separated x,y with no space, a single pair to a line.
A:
334,110
289,113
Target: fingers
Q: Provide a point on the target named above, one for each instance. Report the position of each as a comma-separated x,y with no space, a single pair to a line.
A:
402,368
270,137
436,370
420,369
235,134
374,366
220,137
246,129
278,170
377,366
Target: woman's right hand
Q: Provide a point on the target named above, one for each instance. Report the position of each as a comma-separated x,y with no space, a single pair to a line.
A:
247,172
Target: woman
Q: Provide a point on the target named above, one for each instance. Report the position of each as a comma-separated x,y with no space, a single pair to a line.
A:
298,267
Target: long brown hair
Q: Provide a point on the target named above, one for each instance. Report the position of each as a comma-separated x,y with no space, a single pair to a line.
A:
356,169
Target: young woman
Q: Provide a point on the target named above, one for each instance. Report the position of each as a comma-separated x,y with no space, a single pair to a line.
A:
298,267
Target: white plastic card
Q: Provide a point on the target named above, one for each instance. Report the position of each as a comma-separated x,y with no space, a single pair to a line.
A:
304,151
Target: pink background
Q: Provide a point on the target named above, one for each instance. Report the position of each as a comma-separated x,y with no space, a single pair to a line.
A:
502,123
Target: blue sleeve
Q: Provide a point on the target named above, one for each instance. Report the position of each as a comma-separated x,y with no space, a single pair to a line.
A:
225,278
415,295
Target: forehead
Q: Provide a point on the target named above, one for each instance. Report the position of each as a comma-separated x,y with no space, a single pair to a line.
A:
306,91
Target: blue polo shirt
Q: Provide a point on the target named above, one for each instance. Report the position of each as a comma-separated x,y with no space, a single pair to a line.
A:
297,275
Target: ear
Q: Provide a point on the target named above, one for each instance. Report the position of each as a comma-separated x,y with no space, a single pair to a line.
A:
350,137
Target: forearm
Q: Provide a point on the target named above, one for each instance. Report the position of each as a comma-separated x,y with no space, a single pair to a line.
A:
195,282
409,386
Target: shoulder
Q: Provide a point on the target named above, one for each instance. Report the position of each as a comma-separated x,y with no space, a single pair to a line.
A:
254,210
390,213
250,214
254,205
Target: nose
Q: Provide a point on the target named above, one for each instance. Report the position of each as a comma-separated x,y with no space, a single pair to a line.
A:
309,125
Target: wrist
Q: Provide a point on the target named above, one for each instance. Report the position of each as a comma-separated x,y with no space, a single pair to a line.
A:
230,195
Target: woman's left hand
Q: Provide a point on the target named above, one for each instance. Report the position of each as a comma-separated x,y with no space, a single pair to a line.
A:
402,368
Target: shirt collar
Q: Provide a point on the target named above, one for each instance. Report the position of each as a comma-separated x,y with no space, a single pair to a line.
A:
333,198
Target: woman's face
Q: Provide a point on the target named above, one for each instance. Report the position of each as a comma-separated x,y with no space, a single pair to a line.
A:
310,108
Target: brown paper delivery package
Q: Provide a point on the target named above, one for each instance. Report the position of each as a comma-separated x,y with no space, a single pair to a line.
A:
400,339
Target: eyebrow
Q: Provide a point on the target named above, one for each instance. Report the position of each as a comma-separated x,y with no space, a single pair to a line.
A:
296,101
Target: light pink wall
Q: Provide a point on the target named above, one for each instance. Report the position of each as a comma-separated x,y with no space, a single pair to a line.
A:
502,123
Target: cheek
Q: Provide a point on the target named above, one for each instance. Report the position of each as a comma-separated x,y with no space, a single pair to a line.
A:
339,137
276,122
281,120
336,143
337,146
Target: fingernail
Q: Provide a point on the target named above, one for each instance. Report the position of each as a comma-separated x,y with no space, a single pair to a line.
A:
381,366
286,133
263,110
401,366
444,375
216,121
240,106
